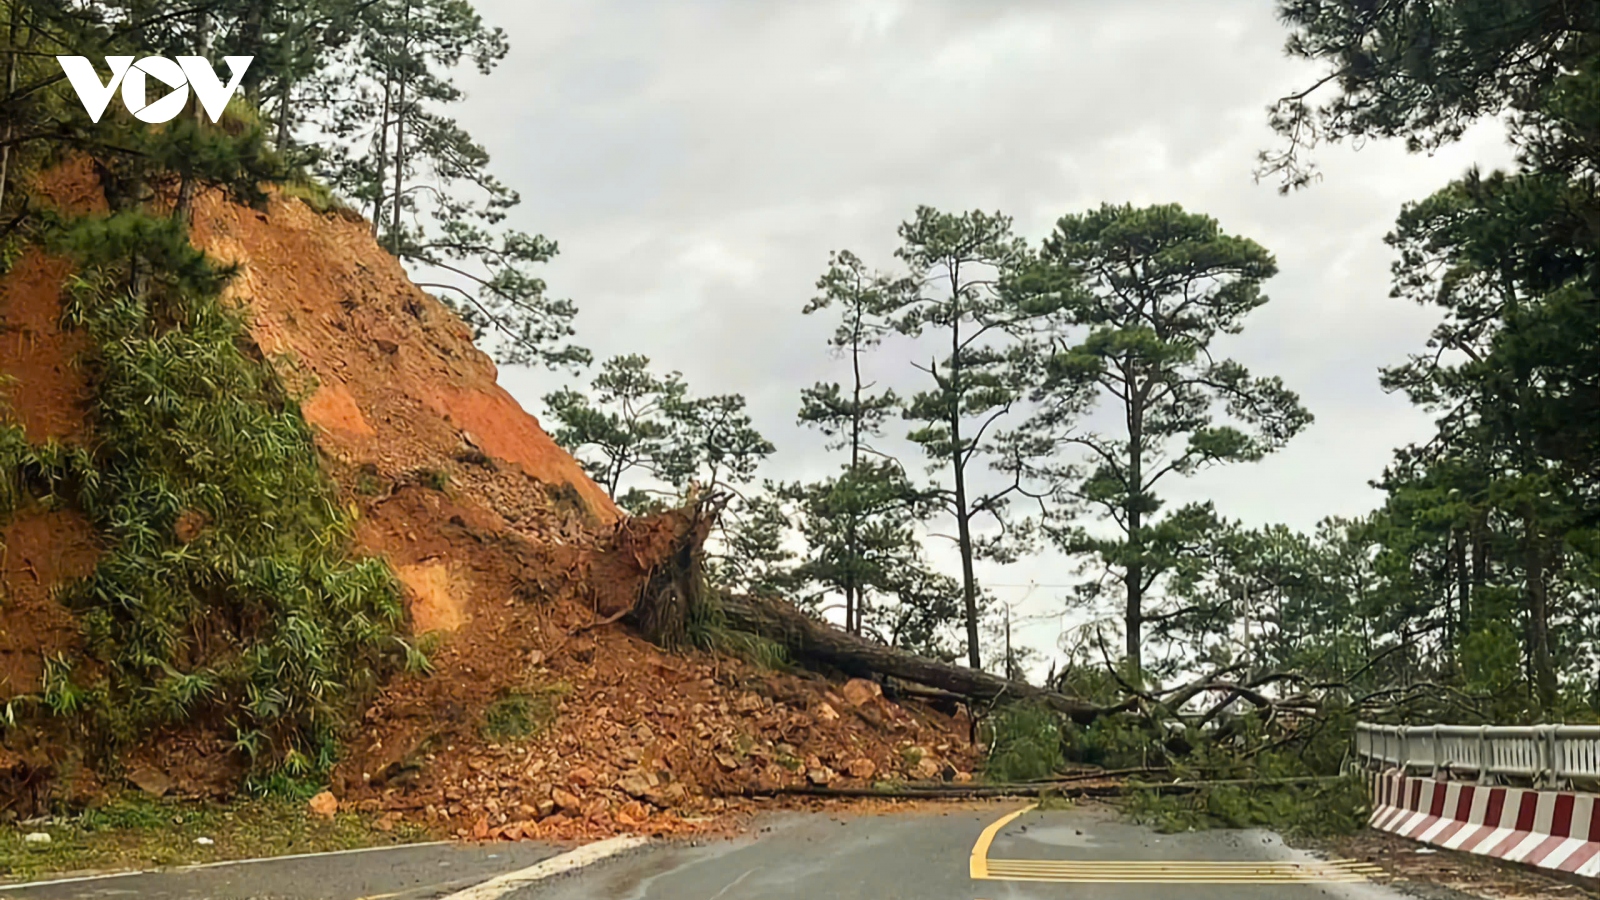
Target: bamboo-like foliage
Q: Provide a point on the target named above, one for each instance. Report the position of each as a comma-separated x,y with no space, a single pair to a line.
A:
224,589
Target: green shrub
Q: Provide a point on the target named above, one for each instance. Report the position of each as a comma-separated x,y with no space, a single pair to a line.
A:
313,193
1024,743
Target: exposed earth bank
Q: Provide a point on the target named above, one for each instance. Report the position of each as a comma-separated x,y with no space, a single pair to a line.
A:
530,719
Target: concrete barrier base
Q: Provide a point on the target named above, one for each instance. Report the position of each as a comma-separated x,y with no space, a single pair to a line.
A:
1558,830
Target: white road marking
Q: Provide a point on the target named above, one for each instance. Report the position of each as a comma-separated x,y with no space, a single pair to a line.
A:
555,865
262,859
75,879
733,884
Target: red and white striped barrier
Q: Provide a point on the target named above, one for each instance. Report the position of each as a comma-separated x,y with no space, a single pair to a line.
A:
1551,829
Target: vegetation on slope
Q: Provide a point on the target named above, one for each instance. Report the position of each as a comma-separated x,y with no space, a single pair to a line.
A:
224,591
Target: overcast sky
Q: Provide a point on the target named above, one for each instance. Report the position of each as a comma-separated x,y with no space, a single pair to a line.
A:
698,159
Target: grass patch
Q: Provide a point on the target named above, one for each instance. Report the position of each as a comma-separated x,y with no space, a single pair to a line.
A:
524,714
136,831
419,661
10,251
421,650
708,630
1024,743
314,194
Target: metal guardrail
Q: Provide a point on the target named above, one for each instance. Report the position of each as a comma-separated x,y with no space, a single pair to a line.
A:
1547,755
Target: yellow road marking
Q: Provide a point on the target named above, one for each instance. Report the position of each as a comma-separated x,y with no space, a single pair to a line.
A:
978,866
1186,879
1180,865
1177,871
1081,871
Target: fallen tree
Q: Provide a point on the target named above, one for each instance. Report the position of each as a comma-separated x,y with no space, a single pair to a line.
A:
1236,746
935,791
675,592
674,595
810,641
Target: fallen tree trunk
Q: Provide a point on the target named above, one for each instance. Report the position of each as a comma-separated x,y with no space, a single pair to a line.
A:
1031,789
808,640
675,588
1097,774
977,792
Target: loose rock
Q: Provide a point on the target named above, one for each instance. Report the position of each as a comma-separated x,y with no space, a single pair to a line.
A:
859,691
324,805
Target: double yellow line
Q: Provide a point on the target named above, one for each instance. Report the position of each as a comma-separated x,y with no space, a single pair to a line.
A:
982,868
1186,872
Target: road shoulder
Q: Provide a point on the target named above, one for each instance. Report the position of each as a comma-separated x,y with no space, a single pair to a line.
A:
1436,874
405,872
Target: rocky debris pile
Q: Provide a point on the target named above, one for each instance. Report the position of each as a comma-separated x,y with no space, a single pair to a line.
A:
641,741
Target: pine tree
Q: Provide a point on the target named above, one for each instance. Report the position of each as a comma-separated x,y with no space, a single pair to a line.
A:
646,432
1161,285
623,425
957,265
839,511
755,557
1498,510
1508,259
425,183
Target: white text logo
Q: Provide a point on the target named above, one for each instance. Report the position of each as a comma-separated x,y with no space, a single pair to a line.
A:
187,72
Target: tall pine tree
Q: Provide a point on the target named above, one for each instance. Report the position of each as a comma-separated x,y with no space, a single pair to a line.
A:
1162,284
957,263
853,521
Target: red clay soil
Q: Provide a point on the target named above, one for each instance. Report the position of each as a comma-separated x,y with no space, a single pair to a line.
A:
507,552
49,396
41,390
397,382
39,550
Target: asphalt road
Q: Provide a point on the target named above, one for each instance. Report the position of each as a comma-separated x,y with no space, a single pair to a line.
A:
995,851
394,873
1083,853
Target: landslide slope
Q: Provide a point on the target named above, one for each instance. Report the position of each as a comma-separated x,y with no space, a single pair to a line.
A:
528,718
